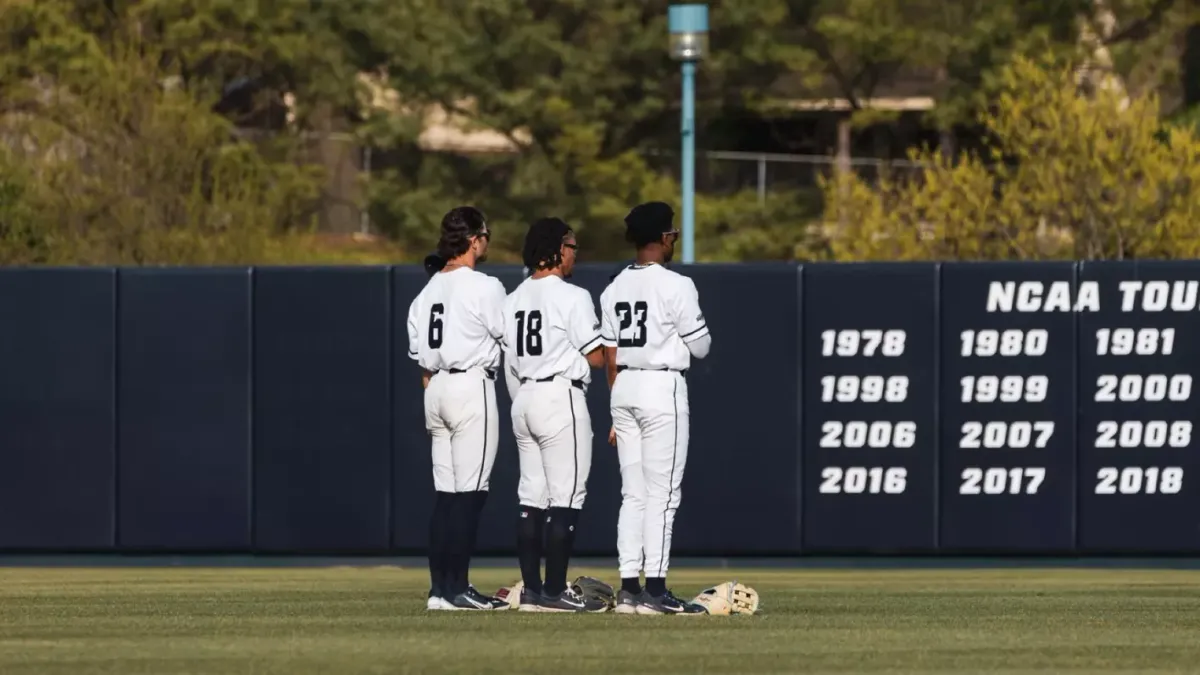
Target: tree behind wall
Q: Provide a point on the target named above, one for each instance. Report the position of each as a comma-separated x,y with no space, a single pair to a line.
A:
112,159
1071,175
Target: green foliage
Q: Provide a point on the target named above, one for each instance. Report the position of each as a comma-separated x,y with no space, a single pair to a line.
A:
1068,176
112,160
118,151
582,89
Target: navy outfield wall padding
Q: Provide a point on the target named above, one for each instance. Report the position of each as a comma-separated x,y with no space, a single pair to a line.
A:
57,400
1139,360
275,410
412,466
741,463
184,390
322,451
869,391
1007,408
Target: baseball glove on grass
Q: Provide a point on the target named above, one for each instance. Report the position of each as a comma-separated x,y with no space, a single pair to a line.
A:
728,598
590,587
511,594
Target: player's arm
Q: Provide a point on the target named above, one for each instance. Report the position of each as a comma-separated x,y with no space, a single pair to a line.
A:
689,320
595,358
493,310
414,336
511,379
608,335
584,329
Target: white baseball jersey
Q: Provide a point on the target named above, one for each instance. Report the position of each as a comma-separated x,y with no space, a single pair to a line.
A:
549,326
455,326
651,314
457,321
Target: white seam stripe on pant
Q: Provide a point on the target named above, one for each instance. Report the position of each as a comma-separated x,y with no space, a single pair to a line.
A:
650,416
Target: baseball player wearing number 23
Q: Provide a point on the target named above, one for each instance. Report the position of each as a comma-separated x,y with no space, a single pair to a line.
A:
652,328
455,326
552,342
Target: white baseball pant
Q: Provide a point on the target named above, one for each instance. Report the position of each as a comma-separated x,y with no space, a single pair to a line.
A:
462,418
650,416
554,444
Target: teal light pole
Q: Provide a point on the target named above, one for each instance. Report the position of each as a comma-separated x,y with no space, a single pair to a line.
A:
688,25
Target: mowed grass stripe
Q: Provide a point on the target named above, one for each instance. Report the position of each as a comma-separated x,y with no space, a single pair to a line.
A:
372,620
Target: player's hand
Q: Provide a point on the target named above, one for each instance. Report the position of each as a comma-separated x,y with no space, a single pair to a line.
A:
612,436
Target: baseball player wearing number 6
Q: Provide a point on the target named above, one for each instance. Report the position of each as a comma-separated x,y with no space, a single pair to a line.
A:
652,328
552,341
455,326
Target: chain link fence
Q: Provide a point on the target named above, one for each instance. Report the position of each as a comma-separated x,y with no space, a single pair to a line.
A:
723,172
717,172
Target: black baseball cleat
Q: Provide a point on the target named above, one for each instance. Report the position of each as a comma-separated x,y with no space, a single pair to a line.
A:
473,600
530,601
626,602
570,601
496,603
666,604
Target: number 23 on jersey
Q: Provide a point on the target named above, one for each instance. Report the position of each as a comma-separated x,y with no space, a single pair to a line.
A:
632,317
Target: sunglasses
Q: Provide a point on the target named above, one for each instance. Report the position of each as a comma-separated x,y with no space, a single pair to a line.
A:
573,247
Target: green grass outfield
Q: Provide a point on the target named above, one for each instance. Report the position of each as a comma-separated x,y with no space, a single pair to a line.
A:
372,620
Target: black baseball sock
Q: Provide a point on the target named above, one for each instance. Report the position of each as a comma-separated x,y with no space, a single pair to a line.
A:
560,539
473,506
457,523
633,585
529,546
439,526
656,586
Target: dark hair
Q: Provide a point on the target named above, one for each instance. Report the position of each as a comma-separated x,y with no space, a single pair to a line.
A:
543,244
434,264
458,226
647,223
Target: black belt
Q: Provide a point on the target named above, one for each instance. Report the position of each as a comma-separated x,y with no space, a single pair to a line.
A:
489,374
681,372
578,384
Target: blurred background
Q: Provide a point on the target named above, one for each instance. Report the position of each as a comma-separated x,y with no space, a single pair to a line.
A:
147,132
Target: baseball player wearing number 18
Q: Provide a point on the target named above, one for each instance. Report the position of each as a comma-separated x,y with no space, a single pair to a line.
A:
455,326
552,342
652,328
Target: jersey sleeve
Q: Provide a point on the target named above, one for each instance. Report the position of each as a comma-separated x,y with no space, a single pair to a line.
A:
511,379
414,333
583,328
506,311
689,320
608,326
492,312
